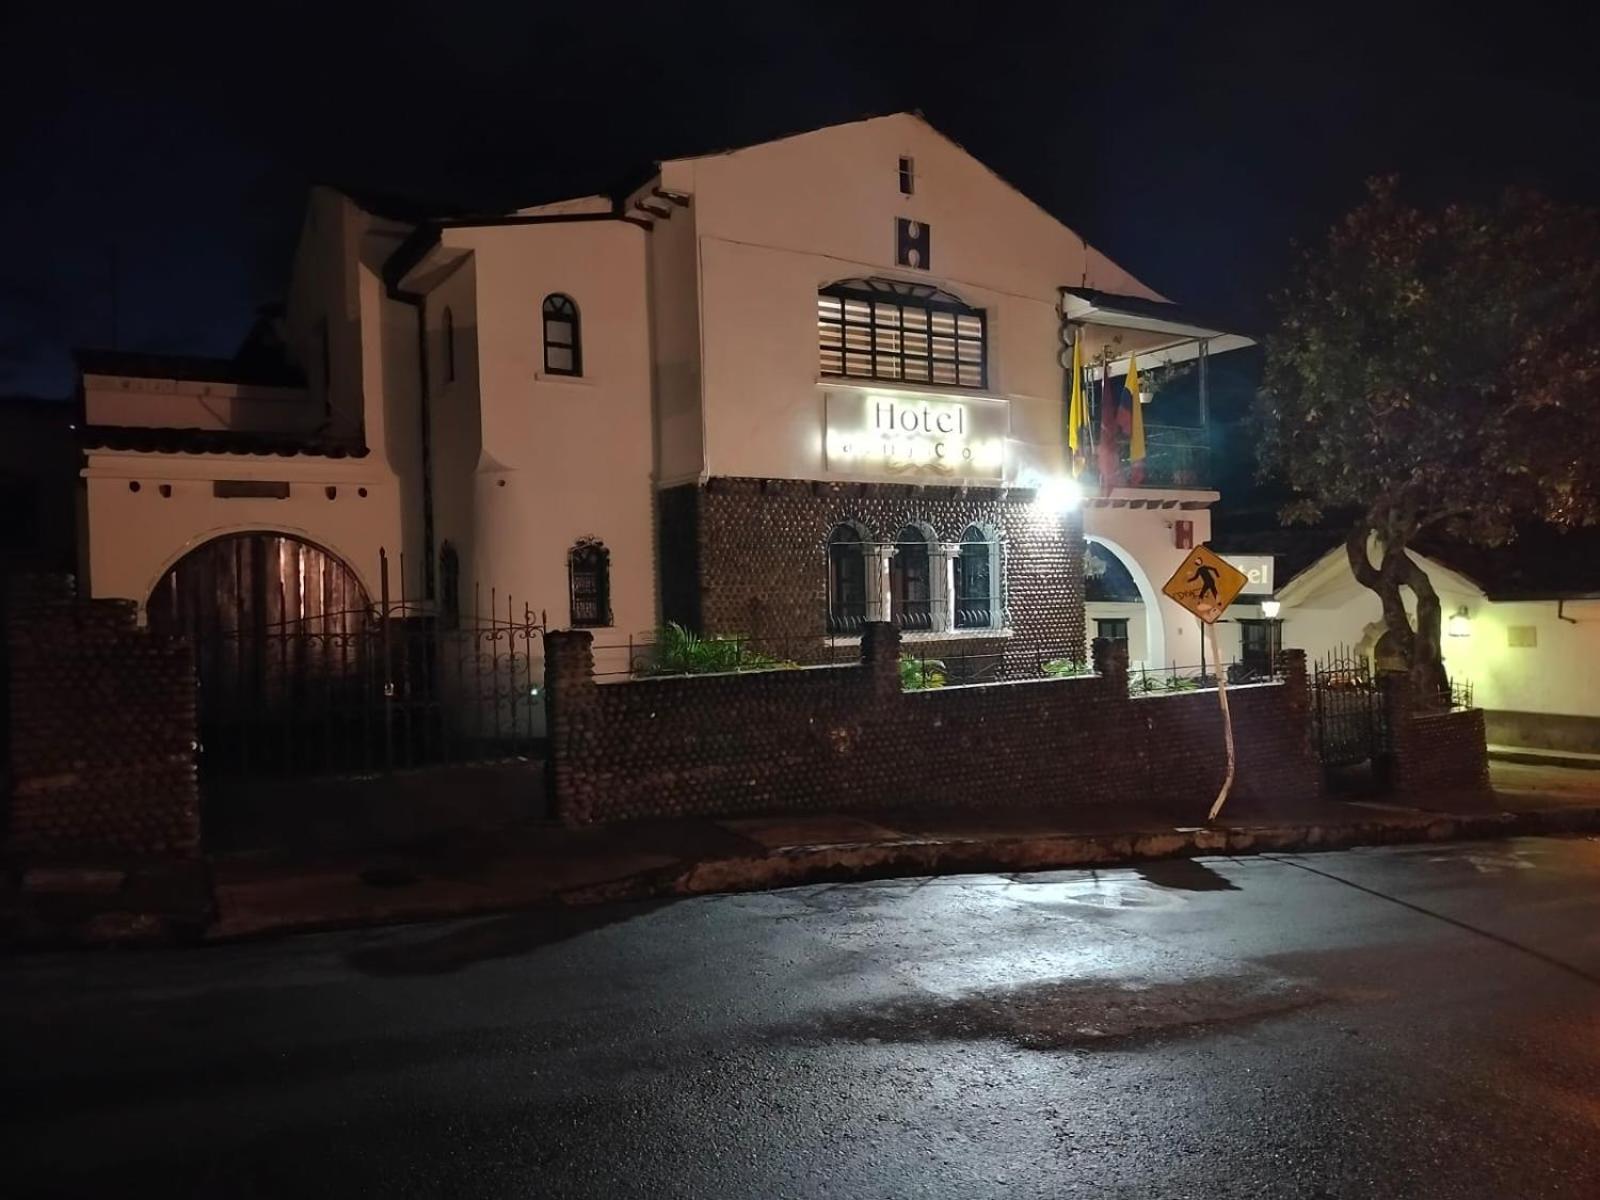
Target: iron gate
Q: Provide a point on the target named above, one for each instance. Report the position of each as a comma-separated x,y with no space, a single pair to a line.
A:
1349,721
368,690
300,674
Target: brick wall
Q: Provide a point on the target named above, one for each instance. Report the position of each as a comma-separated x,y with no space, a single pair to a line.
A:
759,551
837,737
100,729
1434,751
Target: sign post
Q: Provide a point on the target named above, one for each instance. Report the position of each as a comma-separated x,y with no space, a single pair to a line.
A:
1205,585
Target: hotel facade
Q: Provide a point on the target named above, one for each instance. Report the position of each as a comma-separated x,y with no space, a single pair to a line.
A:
778,392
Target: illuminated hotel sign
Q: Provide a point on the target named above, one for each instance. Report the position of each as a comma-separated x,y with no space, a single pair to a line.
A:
901,434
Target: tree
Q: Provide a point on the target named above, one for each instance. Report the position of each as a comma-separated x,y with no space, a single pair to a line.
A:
1438,371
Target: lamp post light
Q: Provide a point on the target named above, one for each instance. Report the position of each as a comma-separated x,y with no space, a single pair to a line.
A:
1270,609
1460,623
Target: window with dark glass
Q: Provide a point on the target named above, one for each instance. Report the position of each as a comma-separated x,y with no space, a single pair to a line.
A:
974,569
448,321
1259,645
1113,629
847,580
908,176
563,346
449,586
910,595
889,330
589,574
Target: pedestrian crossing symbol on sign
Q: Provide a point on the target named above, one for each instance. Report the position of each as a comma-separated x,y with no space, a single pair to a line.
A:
1205,584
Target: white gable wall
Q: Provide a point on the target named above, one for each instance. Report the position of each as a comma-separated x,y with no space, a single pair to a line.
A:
775,222
1326,608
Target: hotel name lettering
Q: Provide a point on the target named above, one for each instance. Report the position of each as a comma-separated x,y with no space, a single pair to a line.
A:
914,436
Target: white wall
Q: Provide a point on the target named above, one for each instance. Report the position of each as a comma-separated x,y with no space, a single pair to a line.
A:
1144,539
192,404
1560,673
1131,611
135,536
776,222
562,458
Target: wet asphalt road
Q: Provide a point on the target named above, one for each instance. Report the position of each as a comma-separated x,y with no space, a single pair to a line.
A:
1420,1021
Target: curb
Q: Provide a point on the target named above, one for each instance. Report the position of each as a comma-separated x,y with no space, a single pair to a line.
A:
844,862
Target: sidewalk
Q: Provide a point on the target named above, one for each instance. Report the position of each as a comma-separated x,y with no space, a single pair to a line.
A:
467,874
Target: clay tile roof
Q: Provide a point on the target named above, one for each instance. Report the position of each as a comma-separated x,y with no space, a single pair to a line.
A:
217,441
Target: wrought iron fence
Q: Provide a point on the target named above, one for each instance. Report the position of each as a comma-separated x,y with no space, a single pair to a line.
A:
371,689
1349,719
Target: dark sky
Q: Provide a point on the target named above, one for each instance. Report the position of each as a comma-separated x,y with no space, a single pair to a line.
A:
170,148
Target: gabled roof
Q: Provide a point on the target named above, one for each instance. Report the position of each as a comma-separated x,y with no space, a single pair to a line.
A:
1541,563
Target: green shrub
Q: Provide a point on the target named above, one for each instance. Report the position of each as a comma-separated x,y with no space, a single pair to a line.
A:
917,674
1066,668
679,651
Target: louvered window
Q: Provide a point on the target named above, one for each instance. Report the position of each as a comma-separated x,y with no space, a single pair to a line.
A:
903,332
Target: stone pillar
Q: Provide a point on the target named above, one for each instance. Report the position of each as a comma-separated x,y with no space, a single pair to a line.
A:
878,557
942,583
880,657
1111,664
1293,665
571,700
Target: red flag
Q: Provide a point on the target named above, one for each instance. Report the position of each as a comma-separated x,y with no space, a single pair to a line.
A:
1108,451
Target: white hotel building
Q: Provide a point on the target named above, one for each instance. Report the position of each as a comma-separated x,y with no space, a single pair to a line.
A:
775,391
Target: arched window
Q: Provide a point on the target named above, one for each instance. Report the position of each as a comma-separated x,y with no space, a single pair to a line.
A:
563,345
589,576
448,323
847,579
910,584
976,576
887,329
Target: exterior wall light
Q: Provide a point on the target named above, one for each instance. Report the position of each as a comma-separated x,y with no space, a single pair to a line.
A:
1058,495
1270,609
1460,624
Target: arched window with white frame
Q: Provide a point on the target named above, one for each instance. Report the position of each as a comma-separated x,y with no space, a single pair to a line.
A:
563,340
977,580
911,579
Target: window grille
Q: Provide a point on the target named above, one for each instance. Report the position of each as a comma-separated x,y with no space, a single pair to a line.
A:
888,330
589,574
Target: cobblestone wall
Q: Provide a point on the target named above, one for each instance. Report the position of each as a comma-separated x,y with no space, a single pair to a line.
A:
840,737
758,564
100,729
1433,752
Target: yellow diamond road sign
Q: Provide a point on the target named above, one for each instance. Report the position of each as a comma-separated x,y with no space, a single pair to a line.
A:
1205,584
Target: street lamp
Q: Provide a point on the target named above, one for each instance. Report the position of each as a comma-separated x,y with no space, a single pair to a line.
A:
1460,624
1270,609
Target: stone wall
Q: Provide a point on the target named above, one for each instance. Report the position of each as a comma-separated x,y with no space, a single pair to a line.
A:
100,719
840,737
1434,751
749,556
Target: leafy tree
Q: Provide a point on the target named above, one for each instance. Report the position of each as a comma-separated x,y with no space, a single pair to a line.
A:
1438,371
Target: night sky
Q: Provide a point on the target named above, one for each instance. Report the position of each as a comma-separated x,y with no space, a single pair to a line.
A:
169,150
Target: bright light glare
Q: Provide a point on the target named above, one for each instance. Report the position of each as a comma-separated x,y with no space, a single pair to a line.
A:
1270,609
1058,495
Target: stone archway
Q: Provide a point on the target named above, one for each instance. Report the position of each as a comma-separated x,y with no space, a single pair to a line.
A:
1155,641
255,580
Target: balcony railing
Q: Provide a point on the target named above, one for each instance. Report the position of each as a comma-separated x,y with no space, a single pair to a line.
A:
1176,456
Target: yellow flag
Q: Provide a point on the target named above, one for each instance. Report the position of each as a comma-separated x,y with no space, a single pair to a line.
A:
1136,432
1077,411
